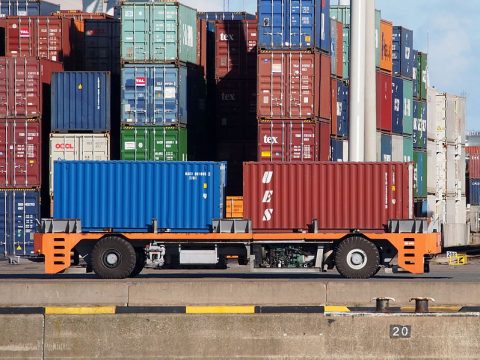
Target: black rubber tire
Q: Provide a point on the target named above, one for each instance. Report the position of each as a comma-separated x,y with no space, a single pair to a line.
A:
141,258
125,253
371,266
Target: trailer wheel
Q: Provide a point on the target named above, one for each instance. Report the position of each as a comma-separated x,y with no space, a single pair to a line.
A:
357,258
113,258
141,258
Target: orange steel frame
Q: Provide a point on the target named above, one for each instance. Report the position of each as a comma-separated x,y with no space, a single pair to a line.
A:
412,248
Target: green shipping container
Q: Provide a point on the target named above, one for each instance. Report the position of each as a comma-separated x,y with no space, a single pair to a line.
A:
340,13
407,149
407,107
153,32
422,66
420,174
378,18
155,143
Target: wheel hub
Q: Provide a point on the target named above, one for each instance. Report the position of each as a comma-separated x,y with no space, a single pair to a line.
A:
357,259
111,258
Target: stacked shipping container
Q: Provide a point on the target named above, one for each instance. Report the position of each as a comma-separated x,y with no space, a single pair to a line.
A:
294,106
160,82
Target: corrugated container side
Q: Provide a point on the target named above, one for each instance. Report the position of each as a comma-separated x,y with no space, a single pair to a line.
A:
456,169
27,91
81,101
342,109
386,32
280,140
339,49
420,173
20,153
407,149
293,85
225,15
158,32
336,149
102,45
19,211
234,207
25,36
397,148
333,45
284,25
474,191
436,168
419,125
384,101
202,37
324,141
397,105
402,52
378,17
341,196
158,94
416,75
346,52
340,13
407,124
384,147
474,166
26,8
127,195
455,118
236,49
422,67
77,147
155,143
334,89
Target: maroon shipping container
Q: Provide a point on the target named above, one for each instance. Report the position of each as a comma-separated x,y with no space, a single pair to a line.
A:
22,83
474,166
341,196
20,153
384,101
339,49
284,140
45,37
293,85
202,46
324,146
236,49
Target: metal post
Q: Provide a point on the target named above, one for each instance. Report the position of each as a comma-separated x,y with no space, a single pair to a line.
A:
382,304
370,84
357,82
421,304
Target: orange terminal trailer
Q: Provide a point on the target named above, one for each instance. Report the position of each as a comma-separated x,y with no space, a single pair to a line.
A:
355,254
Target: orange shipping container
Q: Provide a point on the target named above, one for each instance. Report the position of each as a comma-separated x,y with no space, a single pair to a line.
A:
234,207
386,33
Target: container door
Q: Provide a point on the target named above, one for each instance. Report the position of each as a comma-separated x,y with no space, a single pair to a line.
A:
407,124
20,39
135,83
135,144
62,147
26,155
26,212
271,24
300,85
25,88
271,142
135,32
165,97
50,41
272,76
95,147
164,44
397,105
168,144
5,157
302,141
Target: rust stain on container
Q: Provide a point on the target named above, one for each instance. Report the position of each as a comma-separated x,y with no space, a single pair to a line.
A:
341,196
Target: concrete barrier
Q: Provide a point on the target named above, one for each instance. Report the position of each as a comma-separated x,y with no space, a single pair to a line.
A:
21,336
292,336
257,292
360,293
60,292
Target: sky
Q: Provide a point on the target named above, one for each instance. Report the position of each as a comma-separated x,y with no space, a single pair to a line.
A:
447,30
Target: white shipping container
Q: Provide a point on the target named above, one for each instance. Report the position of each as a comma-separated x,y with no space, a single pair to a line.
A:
435,117
77,147
397,148
456,210
345,150
456,168
436,211
436,168
449,119
474,218
456,235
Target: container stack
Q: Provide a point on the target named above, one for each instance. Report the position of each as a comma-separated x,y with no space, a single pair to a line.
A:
446,183
340,33
294,83
473,171
231,72
160,81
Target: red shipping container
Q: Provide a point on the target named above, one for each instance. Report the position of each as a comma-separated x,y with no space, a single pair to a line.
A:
339,49
22,83
236,49
45,37
20,153
293,85
202,46
333,89
341,196
472,150
283,140
384,101
474,166
324,146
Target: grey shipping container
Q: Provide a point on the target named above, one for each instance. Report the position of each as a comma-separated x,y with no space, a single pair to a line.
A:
81,101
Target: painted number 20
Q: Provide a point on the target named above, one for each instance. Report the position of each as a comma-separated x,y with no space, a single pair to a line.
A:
400,331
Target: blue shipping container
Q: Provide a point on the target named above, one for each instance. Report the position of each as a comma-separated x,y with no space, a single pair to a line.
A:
127,195
26,8
397,105
415,73
474,192
336,149
81,101
294,24
19,212
225,15
385,147
154,94
402,54
342,108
